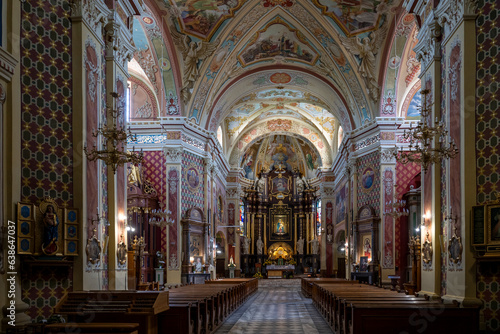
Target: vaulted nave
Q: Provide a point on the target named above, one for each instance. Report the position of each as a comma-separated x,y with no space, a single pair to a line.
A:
165,163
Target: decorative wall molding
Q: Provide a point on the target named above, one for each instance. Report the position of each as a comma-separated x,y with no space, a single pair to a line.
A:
387,155
326,191
173,154
94,13
118,41
450,13
7,65
428,47
367,142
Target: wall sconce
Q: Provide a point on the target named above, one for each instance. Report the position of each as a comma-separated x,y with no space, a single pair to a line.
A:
127,227
425,216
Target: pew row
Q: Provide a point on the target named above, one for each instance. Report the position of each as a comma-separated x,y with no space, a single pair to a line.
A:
202,308
348,308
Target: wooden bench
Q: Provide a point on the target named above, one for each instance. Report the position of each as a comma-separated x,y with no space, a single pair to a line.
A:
427,319
115,307
201,308
94,328
348,308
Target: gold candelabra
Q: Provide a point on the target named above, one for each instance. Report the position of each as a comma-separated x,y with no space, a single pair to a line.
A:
161,218
396,209
421,138
115,139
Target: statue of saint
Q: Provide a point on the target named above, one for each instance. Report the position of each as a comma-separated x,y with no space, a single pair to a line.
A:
315,246
246,245
50,234
300,246
260,246
198,266
160,260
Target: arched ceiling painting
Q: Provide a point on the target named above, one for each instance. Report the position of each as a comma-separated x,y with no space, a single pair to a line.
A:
292,152
263,63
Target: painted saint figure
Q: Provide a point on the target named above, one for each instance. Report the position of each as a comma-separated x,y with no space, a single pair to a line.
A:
280,227
50,233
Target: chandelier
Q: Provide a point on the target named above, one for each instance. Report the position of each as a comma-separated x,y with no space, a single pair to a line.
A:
396,209
115,139
161,218
421,137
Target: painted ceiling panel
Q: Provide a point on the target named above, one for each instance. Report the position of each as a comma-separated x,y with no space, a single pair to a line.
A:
290,151
202,18
278,38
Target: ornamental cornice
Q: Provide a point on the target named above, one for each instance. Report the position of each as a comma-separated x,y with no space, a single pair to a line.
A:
452,12
94,13
429,44
118,42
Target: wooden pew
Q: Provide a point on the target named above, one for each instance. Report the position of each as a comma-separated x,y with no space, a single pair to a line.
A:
348,309
202,308
94,328
115,307
396,319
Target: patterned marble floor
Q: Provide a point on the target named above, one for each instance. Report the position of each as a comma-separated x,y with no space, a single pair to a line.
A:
277,307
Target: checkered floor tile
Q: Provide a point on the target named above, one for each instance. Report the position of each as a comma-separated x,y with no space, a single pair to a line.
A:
277,309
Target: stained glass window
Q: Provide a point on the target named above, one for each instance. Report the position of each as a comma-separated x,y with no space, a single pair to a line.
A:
242,218
318,217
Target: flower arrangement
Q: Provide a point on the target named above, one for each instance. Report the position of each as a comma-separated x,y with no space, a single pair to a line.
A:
268,262
292,262
258,275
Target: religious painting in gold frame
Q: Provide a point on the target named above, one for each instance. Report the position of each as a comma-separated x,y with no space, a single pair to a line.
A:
493,224
280,222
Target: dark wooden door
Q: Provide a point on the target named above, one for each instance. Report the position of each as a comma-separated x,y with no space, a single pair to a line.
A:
341,267
220,267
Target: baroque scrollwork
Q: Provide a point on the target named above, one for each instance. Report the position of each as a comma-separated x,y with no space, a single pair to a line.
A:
173,154
387,155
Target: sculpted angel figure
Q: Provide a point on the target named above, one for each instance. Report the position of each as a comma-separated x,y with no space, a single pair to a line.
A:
192,52
366,49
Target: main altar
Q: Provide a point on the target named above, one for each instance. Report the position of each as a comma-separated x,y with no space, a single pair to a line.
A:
281,233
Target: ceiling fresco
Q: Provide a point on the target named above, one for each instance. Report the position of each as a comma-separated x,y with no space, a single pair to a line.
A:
279,71
281,126
202,18
354,17
278,38
289,151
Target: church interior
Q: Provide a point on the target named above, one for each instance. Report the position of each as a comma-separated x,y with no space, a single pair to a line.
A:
184,156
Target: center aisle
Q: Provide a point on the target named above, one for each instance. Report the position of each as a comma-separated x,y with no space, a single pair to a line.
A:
277,307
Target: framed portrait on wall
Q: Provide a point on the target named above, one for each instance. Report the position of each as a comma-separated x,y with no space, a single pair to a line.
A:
493,224
363,264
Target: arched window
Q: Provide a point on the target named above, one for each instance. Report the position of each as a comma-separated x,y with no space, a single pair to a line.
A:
219,135
242,218
318,217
